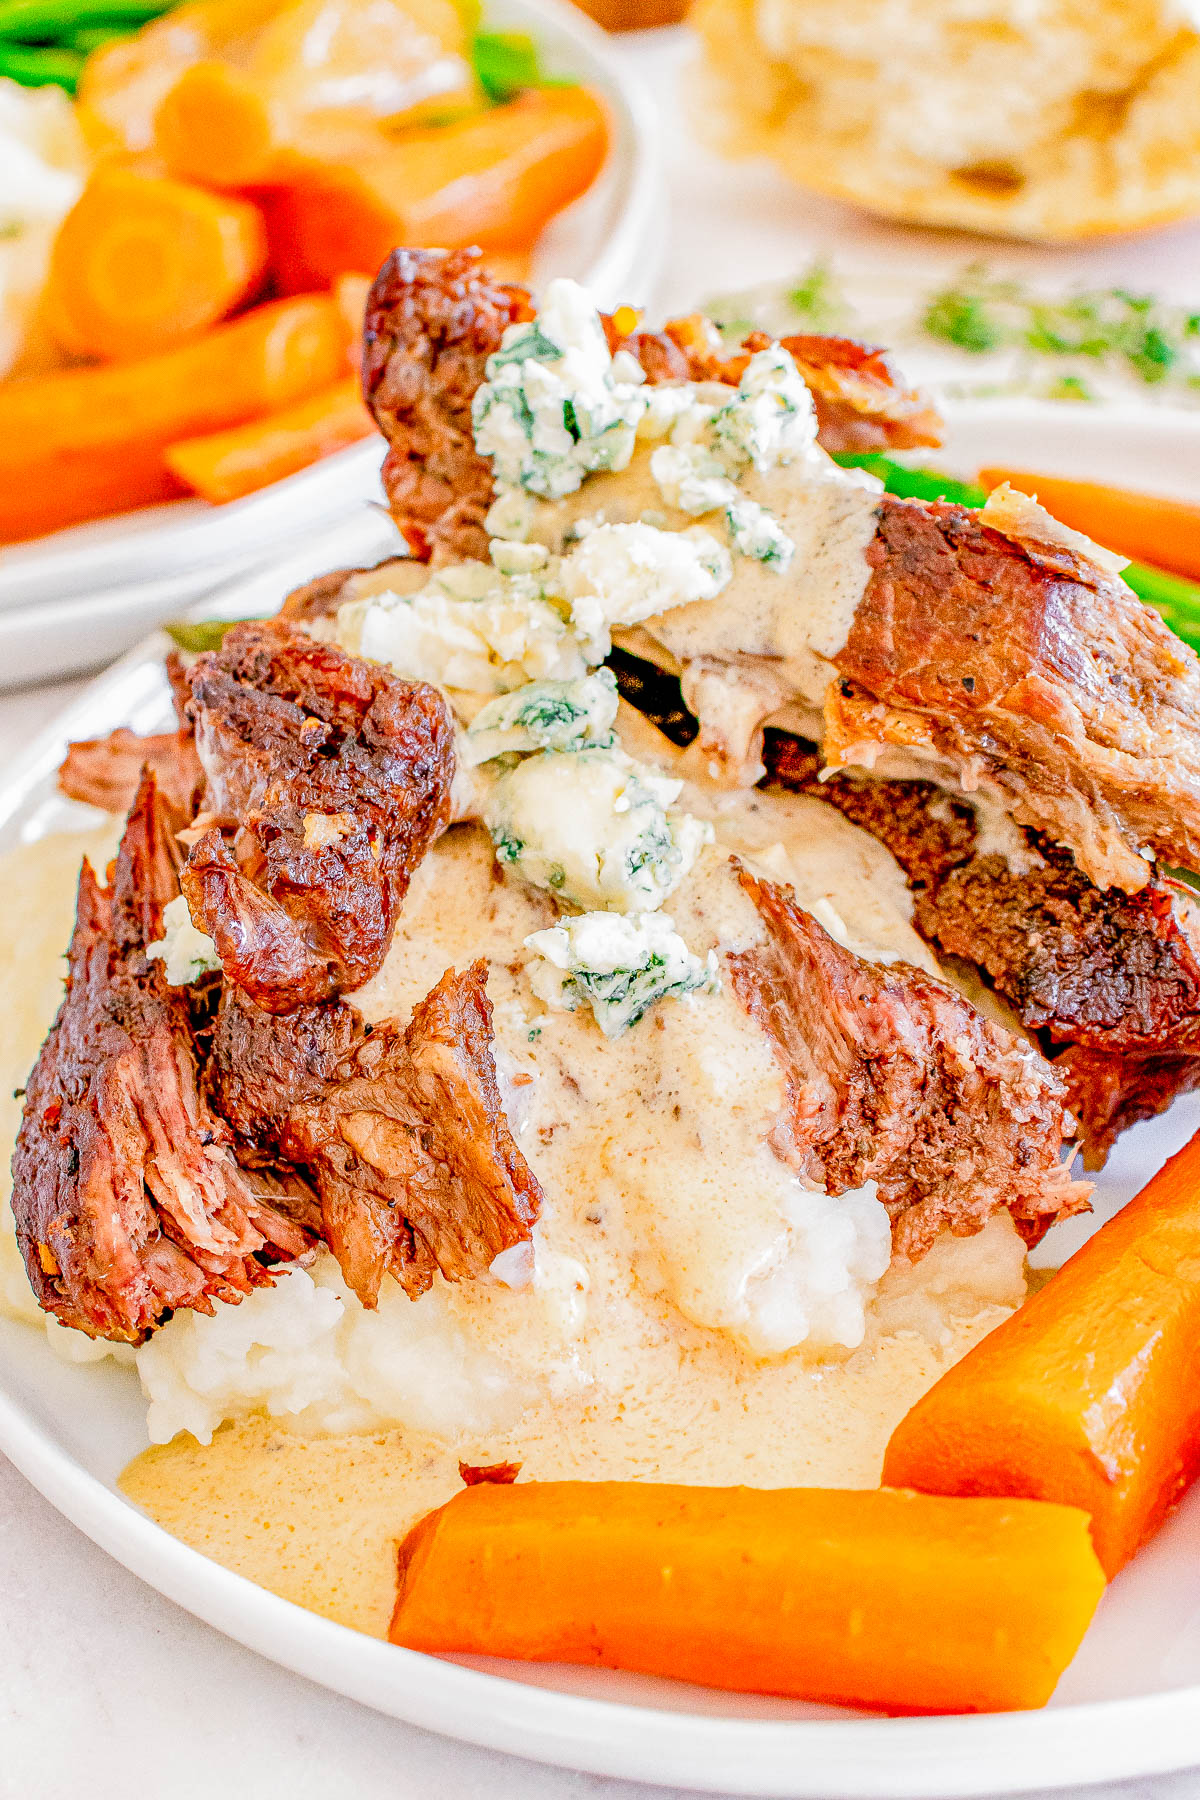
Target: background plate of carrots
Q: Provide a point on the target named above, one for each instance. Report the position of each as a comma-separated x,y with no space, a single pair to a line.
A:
187,395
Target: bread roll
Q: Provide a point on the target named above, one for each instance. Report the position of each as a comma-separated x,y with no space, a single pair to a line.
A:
1034,118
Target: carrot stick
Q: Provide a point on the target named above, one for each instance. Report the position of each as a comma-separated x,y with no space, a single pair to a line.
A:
141,263
880,1599
1142,526
493,180
224,465
85,442
1088,1395
215,124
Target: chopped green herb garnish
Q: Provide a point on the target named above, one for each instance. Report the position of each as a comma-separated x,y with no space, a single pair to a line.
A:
817,298
1146,337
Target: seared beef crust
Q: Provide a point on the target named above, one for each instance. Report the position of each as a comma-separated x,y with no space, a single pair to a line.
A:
402,1132
106,772
328,778
1026,666
893,1077
127,1199
433,318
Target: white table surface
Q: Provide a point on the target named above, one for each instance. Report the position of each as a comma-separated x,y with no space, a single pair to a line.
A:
108,1690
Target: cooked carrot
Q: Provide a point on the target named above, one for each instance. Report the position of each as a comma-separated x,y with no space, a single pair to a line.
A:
1145,527
215,124
494,180
1088,1395
86,442
882,1599
141,263
224,465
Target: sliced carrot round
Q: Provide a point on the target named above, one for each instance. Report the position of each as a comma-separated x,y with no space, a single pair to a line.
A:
143,263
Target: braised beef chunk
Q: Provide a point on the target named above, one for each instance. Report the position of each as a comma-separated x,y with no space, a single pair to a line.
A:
1110,1093
892,1077
1114,971
861,401
1025,667
105,772
328,778
433,318
127,1198
401,1132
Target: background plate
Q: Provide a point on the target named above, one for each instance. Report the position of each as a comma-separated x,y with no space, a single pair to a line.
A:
611,239
1129,1704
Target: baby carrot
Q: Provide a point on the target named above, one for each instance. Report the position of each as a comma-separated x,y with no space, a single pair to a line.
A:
1088,1395
1145,526
494,179
84,442
141,263
891,1600
224,465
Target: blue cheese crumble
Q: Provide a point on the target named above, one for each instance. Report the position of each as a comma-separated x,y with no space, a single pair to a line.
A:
769,421
621,574
594,828
755,531
619,966
185,951
471,627
546,715
556,405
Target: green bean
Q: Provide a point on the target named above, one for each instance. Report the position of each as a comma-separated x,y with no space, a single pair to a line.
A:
915,484
25,21
41,68
1176,601
93,37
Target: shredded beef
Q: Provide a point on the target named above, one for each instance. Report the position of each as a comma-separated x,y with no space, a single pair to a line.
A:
127,1199
1113,971
1115,975
433,318
1110,1093
328,778
401,1132
105,772
892,1077
502,1474
1024,667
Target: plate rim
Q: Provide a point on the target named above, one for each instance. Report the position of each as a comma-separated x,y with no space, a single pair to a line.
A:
935,1758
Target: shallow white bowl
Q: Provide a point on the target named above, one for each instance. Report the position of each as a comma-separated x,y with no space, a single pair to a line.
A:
611,239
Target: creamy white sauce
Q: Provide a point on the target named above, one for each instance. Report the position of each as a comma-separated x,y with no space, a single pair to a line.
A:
798,620
675,1261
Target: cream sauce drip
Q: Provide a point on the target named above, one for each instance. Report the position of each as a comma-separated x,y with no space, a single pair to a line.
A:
631,1353
798,620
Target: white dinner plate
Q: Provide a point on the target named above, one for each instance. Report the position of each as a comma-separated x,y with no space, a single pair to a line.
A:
1128,1705
125,573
